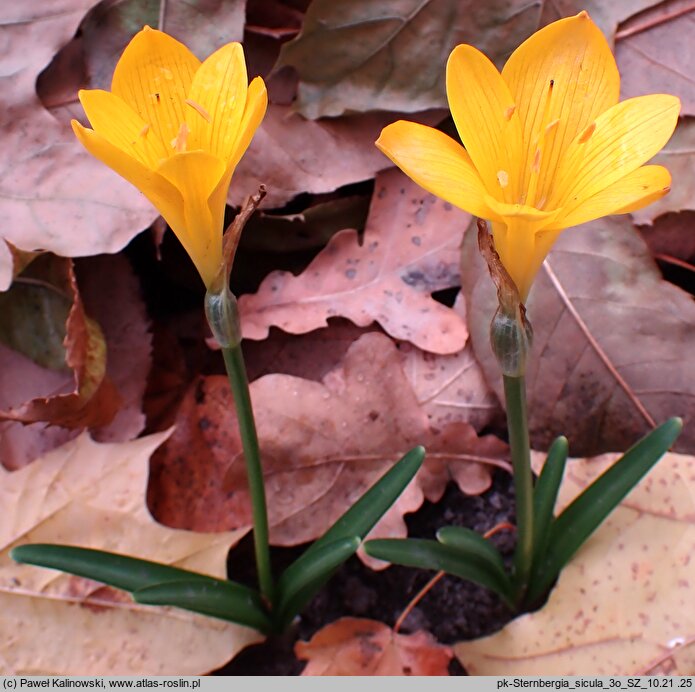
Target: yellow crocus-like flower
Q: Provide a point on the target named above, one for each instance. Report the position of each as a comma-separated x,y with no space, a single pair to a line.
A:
176,128
547,144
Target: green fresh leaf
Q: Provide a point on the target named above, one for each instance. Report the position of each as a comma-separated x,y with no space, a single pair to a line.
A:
545,495
120,571
473,546
418,552
220,599
308,574
584,515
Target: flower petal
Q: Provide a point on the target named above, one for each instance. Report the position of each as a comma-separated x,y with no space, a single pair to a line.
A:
153,77
163,195
196,175
573,54
632,192
256,105
218,94
625,137
485,117
435,162
119,124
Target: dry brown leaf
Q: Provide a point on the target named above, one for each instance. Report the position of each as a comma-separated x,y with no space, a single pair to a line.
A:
679,157
671,235
409,249
323,444
652,56
601,369
363,56
356,646
291,155
91,400
92,495
55,195
623,606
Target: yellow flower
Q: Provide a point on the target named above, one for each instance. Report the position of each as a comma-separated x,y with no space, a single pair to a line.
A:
176,128
547,145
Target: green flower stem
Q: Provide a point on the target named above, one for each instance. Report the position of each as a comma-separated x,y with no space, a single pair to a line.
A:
236,370
517,423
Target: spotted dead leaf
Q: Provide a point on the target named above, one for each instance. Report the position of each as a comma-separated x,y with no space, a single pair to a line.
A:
623,606
409,250
356,646
92,495
323,444
55,195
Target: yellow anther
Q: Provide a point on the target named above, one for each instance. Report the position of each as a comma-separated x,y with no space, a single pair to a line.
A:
144,131
179,142
199,109
584,137
503,178
509,112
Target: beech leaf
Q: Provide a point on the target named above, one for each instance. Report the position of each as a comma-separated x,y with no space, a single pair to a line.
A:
357,646
93,495
623,605
601,371
409,250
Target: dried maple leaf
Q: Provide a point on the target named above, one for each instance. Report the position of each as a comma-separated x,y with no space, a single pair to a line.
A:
601,370
92,495
623,606
323,444
356,646
409,250
55,196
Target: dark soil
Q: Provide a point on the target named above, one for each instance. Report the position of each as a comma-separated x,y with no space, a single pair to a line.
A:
454,610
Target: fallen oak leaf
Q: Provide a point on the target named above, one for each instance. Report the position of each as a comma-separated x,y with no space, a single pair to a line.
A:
48,183
357,646
92,495
322,445
409,249
624,602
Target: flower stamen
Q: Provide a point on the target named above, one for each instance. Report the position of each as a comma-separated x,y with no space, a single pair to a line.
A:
545,128
179,142
199,109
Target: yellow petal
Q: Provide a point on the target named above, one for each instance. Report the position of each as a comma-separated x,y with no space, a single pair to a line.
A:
632,192
486,119
119,124
163,195
256,105
153,76
218,92
196,175
435,162
625,137
573,54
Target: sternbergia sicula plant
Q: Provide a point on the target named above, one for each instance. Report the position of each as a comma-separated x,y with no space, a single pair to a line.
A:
546,145
176,128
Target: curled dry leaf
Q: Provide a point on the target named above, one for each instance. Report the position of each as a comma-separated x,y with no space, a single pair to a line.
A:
409,249
323,444
93,399
92,495
48,182
601,370
39,330
362,56
623,606
356,646
671,235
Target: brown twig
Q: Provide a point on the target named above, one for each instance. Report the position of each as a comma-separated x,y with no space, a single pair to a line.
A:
654,21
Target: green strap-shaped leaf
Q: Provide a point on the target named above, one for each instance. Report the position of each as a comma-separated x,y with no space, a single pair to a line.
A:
121,571
545,495
418,552
307,575
220,599
472,546
584,515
